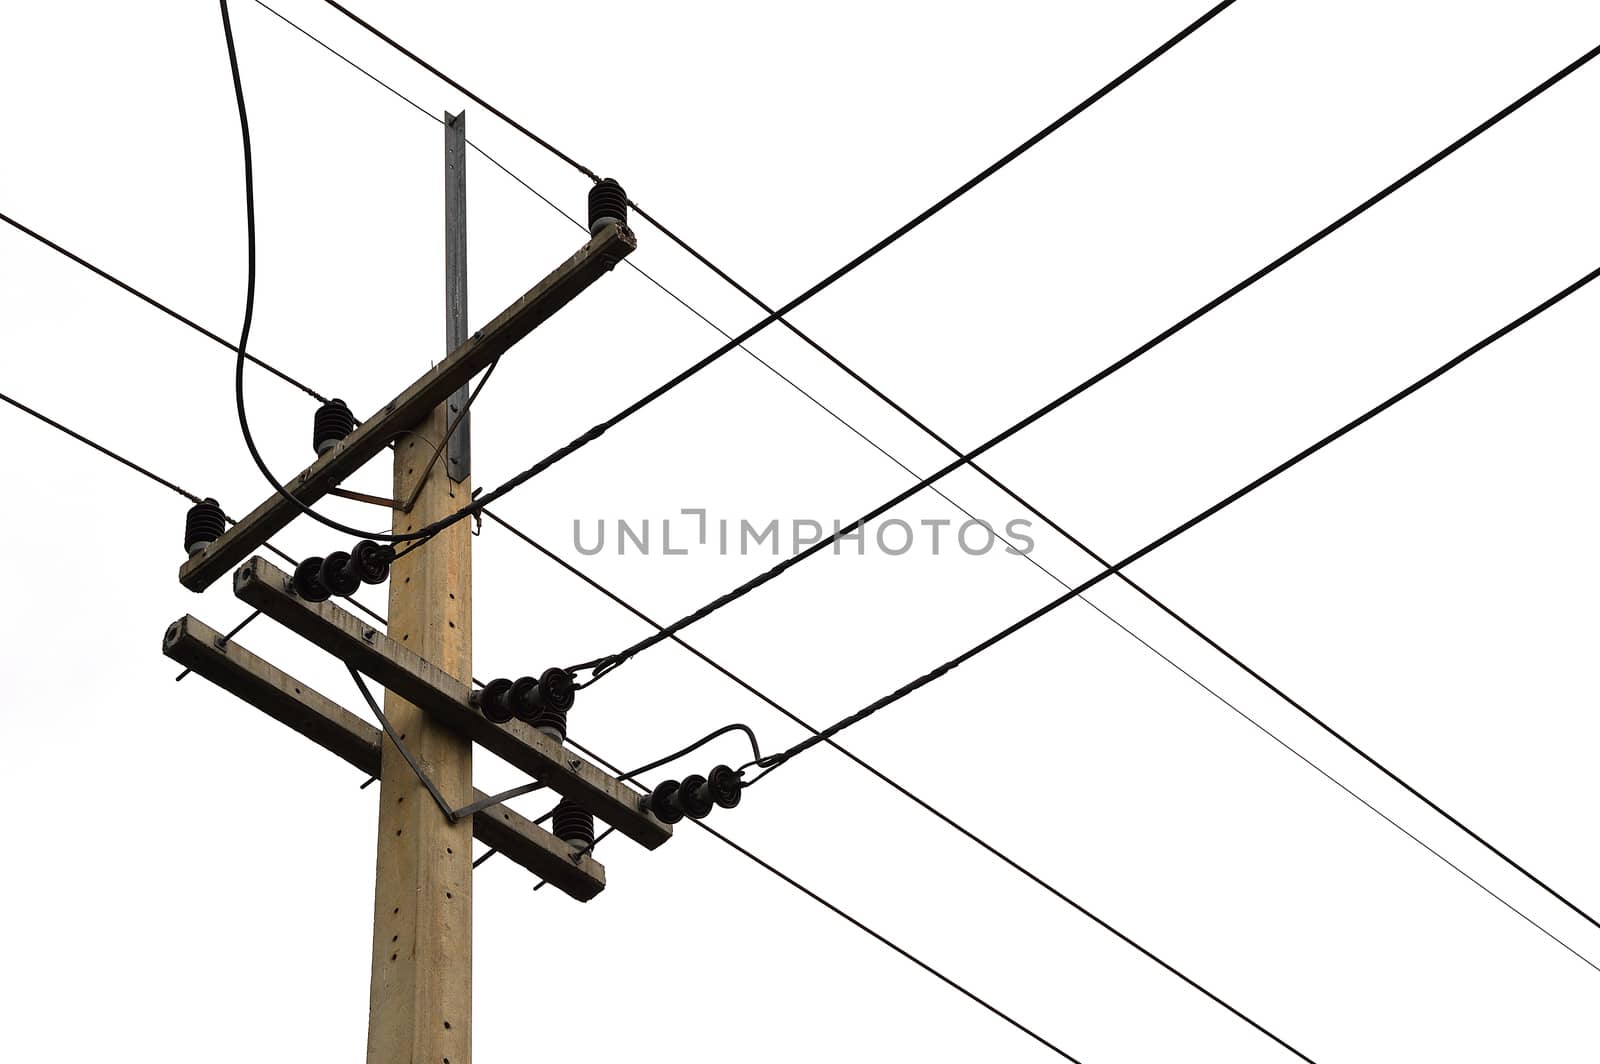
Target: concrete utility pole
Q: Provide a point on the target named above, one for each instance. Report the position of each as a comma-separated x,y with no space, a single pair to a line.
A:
421,987
421,1001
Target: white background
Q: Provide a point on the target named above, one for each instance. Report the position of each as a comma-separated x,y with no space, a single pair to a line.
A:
186,880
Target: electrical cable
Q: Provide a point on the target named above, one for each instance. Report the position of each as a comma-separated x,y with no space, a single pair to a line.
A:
108,452
249,310
152,301
598,430
775,760
614,660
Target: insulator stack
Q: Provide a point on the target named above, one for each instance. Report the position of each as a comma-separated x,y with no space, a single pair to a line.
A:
572,823
202,526
371,561
333,422
726,786
308,581
695,796
490,700
607,204
337,575
542,703
341,573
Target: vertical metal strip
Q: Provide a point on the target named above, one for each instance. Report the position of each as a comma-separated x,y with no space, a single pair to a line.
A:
458,450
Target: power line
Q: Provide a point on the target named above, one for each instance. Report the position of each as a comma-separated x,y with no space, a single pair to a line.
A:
778,759
128,288
610,662
108,452
161,480
250,305
996,482
857,923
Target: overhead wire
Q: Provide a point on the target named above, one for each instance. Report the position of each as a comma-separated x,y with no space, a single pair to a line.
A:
612,661
249,309
164,482
773,761
152,301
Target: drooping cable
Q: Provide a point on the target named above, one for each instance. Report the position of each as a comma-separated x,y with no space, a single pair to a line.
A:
614,660
249,309
776,760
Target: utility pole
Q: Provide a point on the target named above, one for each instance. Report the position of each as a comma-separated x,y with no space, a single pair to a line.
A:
429,811
421,997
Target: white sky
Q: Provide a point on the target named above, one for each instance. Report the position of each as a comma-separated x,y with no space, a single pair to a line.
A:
188,880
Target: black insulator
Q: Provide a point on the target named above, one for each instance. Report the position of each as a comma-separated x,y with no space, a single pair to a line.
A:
663,802
725,786
308,582
607,203
332,423
523,698
202,526
694,794
572,823
556,689
338,575
371,561
553,722
540,702
491,701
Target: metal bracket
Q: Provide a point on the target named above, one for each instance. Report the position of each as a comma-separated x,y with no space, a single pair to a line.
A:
458,448
361,496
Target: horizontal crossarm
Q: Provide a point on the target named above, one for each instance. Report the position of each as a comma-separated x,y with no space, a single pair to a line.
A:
608,247
280,696
400,669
